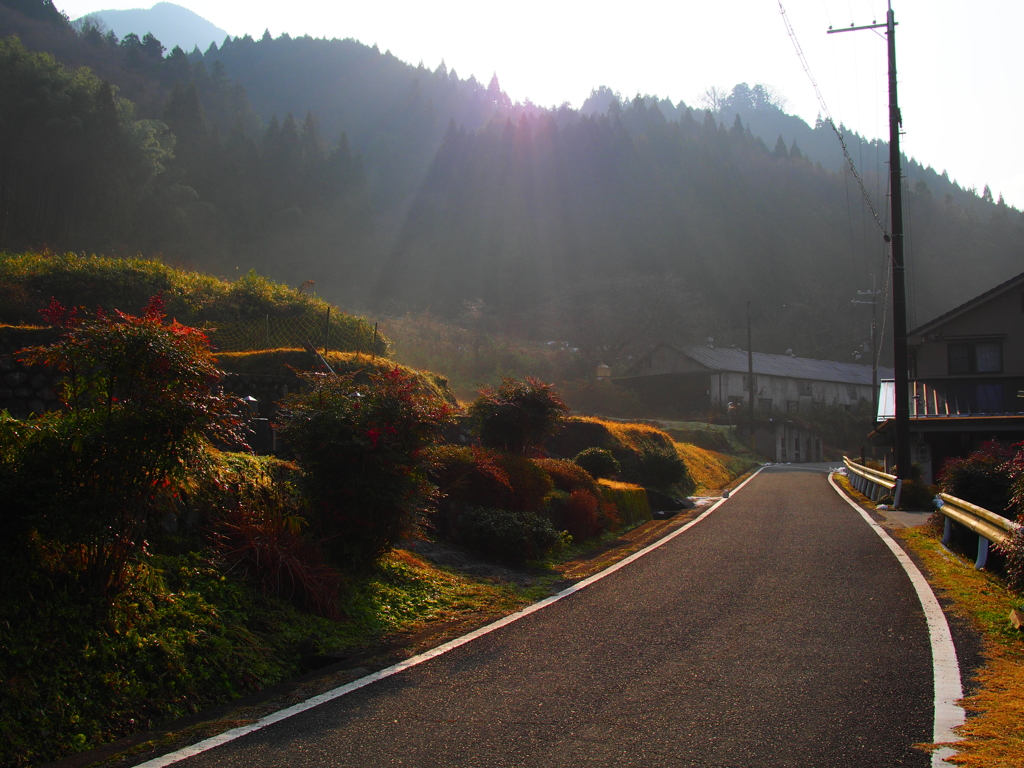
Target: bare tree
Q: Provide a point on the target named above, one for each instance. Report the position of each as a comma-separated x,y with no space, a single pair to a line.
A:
714,98
768,96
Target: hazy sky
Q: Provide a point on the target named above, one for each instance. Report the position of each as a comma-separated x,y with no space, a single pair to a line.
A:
959,63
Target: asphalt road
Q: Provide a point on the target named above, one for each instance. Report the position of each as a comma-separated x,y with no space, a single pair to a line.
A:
779,631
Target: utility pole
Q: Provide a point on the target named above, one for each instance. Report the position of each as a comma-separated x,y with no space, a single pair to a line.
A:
873,293
750,376
895,239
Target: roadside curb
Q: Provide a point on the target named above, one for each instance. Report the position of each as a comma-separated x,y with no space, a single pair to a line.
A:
948,688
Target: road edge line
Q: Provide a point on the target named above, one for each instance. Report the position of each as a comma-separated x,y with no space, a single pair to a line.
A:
335,693
946,673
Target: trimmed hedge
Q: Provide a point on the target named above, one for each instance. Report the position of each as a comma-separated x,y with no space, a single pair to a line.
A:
568,476
647,454
629,499
508,535
283,362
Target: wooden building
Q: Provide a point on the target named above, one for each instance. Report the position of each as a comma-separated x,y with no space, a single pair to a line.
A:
966,379
694,380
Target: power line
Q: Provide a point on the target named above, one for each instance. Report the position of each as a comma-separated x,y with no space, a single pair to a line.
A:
831,122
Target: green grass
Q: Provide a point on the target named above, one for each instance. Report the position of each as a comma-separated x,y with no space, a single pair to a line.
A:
29,280
185,637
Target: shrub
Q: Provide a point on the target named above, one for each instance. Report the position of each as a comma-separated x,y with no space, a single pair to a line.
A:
257,531
465,476
568,476
530,484
647,454
914,495
89,483
661,467
581,517
518,415
471,476
982,478
598,462
506,535
360,448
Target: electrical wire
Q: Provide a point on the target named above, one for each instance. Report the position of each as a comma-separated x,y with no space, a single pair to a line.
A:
831,122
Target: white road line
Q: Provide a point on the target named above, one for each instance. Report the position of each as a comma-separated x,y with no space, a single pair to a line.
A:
323,698
945,667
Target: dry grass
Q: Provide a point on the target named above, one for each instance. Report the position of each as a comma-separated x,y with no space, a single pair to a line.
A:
618,485
709,469
993,736
713,470
632,434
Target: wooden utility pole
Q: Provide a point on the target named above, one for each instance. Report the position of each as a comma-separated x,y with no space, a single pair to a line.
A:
895,239
750,375
873,293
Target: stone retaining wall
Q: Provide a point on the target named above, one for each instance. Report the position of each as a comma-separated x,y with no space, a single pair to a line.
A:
26,390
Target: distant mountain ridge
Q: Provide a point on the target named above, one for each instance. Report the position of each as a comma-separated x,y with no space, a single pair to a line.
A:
171,24
397,188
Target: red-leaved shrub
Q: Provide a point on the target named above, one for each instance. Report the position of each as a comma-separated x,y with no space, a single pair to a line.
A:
581,515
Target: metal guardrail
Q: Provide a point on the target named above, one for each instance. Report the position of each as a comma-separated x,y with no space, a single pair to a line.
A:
990,527
871,482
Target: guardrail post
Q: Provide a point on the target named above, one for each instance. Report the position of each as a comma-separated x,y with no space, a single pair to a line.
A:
982,553
947,531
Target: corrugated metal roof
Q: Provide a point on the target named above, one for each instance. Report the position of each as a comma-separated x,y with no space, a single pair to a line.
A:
735,360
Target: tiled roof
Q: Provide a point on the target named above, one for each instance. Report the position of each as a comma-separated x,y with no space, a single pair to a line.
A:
735,360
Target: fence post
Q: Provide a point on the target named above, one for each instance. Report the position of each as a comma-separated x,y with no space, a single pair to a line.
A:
327,331
982,553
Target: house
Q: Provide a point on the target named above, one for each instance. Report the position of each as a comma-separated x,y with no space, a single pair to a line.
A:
677,381
966,379
689,380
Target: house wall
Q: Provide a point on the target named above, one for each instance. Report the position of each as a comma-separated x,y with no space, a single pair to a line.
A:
1000,317
783,392
671,395
668,360
787,443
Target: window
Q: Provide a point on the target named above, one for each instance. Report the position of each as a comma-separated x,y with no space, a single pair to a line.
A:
975,357
746,383
851,392
805,387
764,403
792,406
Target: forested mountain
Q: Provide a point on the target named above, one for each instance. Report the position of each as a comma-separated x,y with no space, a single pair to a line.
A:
394,187
172,24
